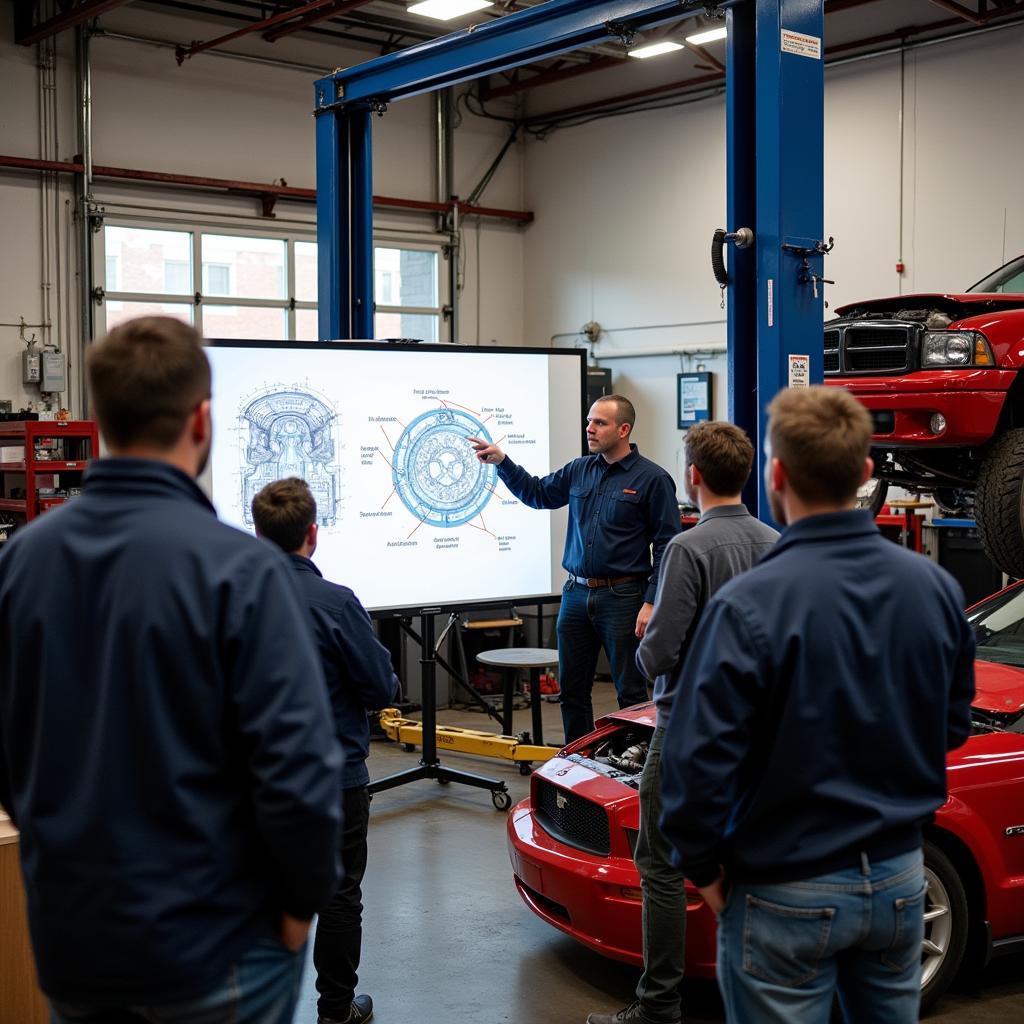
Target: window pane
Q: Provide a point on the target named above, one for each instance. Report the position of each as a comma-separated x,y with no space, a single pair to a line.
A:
118,312
405,277
306,328
254,323
244,268
305,271
421,326
137,260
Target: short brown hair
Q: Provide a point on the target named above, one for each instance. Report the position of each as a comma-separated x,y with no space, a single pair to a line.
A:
145,377
723,454
283,511
822,435
624,411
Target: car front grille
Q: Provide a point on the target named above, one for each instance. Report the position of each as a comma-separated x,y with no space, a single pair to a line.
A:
579,823
857,348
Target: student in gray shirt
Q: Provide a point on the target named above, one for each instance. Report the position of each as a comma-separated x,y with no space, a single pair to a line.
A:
726,541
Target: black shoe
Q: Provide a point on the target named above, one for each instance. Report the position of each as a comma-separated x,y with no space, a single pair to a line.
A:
632,1014
359,1012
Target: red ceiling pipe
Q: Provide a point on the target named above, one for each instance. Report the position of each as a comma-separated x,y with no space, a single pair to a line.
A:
251,187
337,7
182,53
68,19
554,75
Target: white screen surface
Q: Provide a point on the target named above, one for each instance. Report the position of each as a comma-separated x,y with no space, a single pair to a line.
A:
408,518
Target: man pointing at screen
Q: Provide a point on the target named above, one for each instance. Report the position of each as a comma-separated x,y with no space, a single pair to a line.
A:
622,513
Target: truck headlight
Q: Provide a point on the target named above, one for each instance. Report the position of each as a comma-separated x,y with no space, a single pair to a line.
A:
955,348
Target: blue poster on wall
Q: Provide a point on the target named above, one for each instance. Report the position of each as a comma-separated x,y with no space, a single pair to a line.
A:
694,398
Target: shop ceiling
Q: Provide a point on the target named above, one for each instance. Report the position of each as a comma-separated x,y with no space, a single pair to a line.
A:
852,28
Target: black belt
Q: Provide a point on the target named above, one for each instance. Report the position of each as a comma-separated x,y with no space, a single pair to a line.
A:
594,582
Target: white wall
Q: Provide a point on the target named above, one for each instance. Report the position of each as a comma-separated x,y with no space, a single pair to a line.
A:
231,119
626,208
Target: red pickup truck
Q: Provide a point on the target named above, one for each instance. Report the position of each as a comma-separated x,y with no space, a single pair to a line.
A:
943,378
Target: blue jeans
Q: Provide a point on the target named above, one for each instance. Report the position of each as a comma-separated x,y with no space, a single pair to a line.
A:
784,950
261,988
587,621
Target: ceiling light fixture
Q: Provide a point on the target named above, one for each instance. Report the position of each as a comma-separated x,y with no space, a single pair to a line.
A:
711,36
445,10
654,50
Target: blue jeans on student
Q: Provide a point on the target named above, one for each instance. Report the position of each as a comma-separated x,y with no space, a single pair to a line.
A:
588,620
784,950
261,988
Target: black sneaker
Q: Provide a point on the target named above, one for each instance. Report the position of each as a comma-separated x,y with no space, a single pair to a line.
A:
632,1014
359,1012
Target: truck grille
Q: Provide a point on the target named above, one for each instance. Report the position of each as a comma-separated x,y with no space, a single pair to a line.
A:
855,349
566,816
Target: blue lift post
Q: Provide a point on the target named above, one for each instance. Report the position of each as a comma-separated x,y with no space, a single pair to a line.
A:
775,125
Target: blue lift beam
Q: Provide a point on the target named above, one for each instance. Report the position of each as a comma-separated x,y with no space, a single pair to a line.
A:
775,125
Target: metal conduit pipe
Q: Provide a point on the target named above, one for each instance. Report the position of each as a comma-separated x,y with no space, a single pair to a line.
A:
84,74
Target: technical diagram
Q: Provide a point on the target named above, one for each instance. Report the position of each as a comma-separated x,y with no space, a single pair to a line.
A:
291,433
435,471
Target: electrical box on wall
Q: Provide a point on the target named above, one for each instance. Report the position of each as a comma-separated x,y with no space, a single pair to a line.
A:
31,367
54,372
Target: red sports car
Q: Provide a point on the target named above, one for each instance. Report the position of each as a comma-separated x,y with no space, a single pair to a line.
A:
571,842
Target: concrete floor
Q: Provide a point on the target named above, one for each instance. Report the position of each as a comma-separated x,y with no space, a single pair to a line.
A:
447,939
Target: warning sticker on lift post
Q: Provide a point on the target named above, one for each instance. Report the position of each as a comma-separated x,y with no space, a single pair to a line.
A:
799,371
801,45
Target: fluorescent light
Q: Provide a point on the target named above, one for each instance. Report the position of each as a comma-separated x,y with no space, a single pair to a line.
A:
654,50
445,10
711,36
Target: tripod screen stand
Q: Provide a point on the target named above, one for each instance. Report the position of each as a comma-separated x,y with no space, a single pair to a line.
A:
430,766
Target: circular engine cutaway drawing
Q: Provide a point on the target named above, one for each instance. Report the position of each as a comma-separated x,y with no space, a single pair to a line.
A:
436,473
291,433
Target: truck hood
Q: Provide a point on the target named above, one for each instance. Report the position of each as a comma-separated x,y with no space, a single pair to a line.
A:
955,305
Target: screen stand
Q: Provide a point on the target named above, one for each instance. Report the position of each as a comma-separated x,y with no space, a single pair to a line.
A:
430,766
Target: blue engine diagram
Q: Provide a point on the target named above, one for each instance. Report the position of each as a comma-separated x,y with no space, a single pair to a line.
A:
291,433
436,473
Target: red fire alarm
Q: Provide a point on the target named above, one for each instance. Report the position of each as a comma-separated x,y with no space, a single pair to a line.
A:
900,266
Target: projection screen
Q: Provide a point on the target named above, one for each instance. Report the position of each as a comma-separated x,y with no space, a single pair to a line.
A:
408,518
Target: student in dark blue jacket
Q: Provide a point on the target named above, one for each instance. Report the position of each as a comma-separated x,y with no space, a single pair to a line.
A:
165,740
359,677
806,748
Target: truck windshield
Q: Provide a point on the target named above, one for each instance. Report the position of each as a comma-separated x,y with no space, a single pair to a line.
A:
1008,278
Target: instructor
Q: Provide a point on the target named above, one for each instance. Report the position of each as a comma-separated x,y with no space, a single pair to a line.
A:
622,514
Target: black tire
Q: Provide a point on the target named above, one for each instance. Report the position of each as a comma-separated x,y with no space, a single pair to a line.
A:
501,800
999,503
946,925
871,495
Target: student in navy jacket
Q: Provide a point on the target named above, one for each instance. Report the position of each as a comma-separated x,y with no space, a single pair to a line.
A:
359,677
806,748
165,739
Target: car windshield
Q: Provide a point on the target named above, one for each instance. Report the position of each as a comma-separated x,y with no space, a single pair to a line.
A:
998,625
1008,278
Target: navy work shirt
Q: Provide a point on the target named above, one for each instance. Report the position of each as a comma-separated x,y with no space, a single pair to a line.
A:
818,700
166,746
356,664
618,512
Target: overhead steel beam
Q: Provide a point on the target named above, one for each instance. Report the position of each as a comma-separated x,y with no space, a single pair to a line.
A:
546,30
334,8
549,77
73,16
954,8
183,53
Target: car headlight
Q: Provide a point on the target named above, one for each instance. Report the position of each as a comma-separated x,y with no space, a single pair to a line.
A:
955,348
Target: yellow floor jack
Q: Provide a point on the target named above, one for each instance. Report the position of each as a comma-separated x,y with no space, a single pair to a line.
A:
409,733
